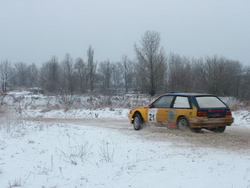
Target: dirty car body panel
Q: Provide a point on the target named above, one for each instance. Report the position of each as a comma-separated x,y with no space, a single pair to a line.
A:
200,110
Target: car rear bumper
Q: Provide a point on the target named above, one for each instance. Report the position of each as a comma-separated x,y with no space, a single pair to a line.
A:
210,122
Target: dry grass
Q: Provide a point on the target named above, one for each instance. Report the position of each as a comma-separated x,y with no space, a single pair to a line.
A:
90,101
237,105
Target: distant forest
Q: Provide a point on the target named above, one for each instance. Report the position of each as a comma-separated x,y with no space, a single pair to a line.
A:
152,72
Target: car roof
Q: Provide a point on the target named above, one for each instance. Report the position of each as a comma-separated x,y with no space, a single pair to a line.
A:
188,94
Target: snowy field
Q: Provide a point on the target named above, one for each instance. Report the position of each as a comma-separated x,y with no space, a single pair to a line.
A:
48,145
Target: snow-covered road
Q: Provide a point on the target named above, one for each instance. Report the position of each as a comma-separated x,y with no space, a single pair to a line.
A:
65,153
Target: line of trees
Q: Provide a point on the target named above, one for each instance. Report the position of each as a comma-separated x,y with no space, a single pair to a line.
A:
152,72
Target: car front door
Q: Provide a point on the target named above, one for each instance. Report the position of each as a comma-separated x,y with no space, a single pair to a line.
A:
159,109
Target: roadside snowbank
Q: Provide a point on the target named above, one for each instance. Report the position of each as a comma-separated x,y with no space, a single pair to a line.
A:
26,104
241,118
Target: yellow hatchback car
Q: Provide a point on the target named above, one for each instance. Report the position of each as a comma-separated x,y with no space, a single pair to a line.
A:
184,111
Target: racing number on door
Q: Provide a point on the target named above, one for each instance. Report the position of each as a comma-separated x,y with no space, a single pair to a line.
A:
152,115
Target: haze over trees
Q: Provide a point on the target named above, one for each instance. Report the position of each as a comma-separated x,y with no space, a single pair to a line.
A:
151,71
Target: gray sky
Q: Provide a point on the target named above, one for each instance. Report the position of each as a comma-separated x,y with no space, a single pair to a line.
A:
35,30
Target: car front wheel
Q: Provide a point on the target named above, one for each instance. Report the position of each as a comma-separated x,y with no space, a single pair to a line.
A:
137,121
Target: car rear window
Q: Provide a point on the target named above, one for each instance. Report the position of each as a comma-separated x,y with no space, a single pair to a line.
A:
209,102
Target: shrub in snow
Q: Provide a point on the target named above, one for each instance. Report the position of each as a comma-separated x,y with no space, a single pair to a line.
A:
106,152
15,183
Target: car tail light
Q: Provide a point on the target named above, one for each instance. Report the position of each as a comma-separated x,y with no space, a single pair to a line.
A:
228,112
201,113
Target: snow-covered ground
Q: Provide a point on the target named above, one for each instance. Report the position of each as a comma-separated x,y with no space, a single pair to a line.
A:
43,145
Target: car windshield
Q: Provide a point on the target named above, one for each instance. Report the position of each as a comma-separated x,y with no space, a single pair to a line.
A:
209,102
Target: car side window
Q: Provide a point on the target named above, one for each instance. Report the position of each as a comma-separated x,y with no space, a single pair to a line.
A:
181,102
163,102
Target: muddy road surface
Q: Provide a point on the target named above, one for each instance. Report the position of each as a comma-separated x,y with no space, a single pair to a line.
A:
235,138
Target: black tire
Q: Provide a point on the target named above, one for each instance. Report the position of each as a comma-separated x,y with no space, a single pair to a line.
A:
138,121
219,129
183,124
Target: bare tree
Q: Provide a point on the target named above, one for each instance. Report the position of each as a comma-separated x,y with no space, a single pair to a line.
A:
197,76
21,74
67,78
127,68
32,75
151,63
220,76
50,75
231,78
180,74
117,77
212,72
5,70
105,71
81,75
244,88
91,68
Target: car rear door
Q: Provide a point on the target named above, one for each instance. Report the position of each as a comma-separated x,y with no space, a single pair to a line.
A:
181,107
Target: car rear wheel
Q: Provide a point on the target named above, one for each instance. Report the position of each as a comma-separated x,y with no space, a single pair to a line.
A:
183,124
137,121
219,129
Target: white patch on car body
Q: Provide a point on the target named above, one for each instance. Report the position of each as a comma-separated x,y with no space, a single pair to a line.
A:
152,115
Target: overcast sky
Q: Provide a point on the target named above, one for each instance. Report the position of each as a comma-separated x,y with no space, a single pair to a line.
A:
35,30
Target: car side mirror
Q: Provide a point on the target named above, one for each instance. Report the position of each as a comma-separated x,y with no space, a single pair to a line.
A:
151,106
